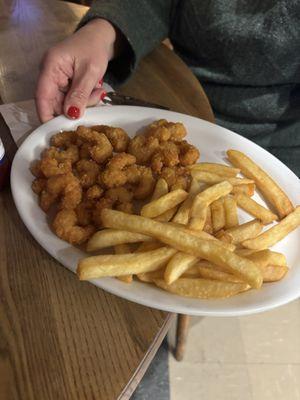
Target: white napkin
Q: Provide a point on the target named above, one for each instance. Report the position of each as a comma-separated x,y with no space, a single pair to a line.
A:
22,118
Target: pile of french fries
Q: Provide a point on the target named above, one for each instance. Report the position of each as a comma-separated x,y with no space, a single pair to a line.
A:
191,243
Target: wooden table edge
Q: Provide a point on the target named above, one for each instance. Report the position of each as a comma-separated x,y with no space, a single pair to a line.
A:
147,359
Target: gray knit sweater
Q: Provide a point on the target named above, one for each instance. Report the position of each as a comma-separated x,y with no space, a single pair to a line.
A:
246,54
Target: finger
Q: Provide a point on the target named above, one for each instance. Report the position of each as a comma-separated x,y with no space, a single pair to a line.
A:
99,84
45,96
96,96
83,83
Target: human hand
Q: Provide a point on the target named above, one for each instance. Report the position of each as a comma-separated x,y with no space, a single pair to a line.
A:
72,71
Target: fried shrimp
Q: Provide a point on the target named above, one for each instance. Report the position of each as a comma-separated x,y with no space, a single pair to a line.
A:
117,137
164,130
171,175
146,184
94,192
87,171
166,156
50,167
63,139
67,188
103,203
84,212
66,227
35,169
100,147
119,194
115,173
143,148
189,154
38,185
71,154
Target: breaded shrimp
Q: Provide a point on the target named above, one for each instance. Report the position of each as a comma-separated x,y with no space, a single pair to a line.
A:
66,227
167,155
146,184
117,137
100,149
50,167
38,185
71,153
164,130
143,148
115,174
119,194
35,169
63,139
189,154
67,187
88,171
99,206
46,200
94,192
84,212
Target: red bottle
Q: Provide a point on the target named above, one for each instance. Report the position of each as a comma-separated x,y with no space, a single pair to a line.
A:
4,167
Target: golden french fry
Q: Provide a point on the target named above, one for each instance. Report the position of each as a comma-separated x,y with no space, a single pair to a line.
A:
125,264
273,273
248,189
208,221
177,265
269,188
218,215
231,212
202,288
262,258
252,207
203,199
167,215
161,188
182,215
123,249
275,233
150,276
203,235
147,246
211,178
164,203
215,274
210,250
219,169
241,232
112,237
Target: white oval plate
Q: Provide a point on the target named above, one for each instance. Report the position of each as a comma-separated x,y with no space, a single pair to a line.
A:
212,142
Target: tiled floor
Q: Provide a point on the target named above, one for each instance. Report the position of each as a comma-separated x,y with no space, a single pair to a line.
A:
248,358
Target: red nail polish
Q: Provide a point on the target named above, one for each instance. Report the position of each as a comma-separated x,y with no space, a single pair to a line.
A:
73,112
101,82
102,95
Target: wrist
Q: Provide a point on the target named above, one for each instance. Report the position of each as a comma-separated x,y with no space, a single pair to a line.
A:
106,32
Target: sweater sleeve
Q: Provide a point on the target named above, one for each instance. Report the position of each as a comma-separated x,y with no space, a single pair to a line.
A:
144,24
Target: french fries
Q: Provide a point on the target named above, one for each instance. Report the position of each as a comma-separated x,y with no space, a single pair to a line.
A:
164,203
240,233
177,265
202,288
210,178
275,233
203,200
231,215
218,215
182,215
125,264
123,249
269,188
208,249
192,243
113,237
219,169
256,210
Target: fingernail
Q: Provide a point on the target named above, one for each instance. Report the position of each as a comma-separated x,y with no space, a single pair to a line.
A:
101,82
102,95
73,112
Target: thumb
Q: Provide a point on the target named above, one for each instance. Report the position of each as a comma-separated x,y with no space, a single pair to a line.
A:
84,80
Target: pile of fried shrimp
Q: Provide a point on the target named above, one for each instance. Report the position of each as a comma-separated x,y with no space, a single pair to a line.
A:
93,168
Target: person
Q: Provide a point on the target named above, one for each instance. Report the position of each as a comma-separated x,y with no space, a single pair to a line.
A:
245,53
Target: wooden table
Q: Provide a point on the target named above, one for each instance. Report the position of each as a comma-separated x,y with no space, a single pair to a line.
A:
61,338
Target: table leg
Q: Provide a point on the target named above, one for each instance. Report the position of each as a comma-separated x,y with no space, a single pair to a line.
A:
181,335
